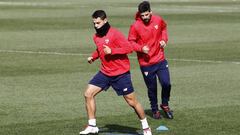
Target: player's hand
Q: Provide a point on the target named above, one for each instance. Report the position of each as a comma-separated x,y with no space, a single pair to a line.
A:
90,60
145,49
107,50
162,43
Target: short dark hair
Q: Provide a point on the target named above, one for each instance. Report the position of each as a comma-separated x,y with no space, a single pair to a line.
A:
99,13
144,6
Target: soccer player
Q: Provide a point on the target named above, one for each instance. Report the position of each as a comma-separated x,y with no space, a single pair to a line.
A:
112,49
148,35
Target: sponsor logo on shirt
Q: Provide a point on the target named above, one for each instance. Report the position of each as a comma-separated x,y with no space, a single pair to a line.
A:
156,27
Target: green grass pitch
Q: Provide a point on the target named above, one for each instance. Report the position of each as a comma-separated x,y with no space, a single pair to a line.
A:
44,45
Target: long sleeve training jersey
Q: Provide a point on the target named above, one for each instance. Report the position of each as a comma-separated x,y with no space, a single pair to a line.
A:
117,62
150,35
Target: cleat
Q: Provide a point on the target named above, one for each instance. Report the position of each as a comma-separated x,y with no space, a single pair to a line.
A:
157,115
147,131
167,111
89,130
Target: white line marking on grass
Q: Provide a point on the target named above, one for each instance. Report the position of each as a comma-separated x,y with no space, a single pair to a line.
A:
206,61
47,53
132,57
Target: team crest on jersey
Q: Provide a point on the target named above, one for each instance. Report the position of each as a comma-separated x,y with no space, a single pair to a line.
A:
156,27
106,41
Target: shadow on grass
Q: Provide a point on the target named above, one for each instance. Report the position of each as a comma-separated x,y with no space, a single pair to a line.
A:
114,129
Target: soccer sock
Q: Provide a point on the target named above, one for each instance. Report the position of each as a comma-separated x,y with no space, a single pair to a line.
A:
144,123
92,122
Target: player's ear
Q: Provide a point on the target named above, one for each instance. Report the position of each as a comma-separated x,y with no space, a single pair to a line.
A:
105,20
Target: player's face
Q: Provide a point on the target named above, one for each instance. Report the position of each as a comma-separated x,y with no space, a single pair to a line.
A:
146,16
98,22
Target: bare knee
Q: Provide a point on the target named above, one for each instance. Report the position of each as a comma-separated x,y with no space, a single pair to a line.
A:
88,94
91,91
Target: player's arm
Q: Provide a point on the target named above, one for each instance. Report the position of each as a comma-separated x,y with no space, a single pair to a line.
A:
124,46
164,40
133,37
95,55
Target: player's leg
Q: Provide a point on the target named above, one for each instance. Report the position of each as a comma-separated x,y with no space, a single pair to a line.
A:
90,104
150,79
96,85
164,79
122,84
132,101
89,95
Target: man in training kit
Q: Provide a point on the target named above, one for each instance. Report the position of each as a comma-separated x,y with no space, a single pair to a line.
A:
148,35
112,50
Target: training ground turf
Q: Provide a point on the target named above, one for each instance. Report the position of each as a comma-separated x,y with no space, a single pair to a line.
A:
43,70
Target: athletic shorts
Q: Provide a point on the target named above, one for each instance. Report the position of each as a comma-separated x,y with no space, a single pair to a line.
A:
122,84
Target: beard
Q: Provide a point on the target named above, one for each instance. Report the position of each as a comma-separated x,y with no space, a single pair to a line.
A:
147,20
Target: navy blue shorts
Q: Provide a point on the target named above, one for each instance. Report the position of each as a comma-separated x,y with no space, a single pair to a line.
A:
122,84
